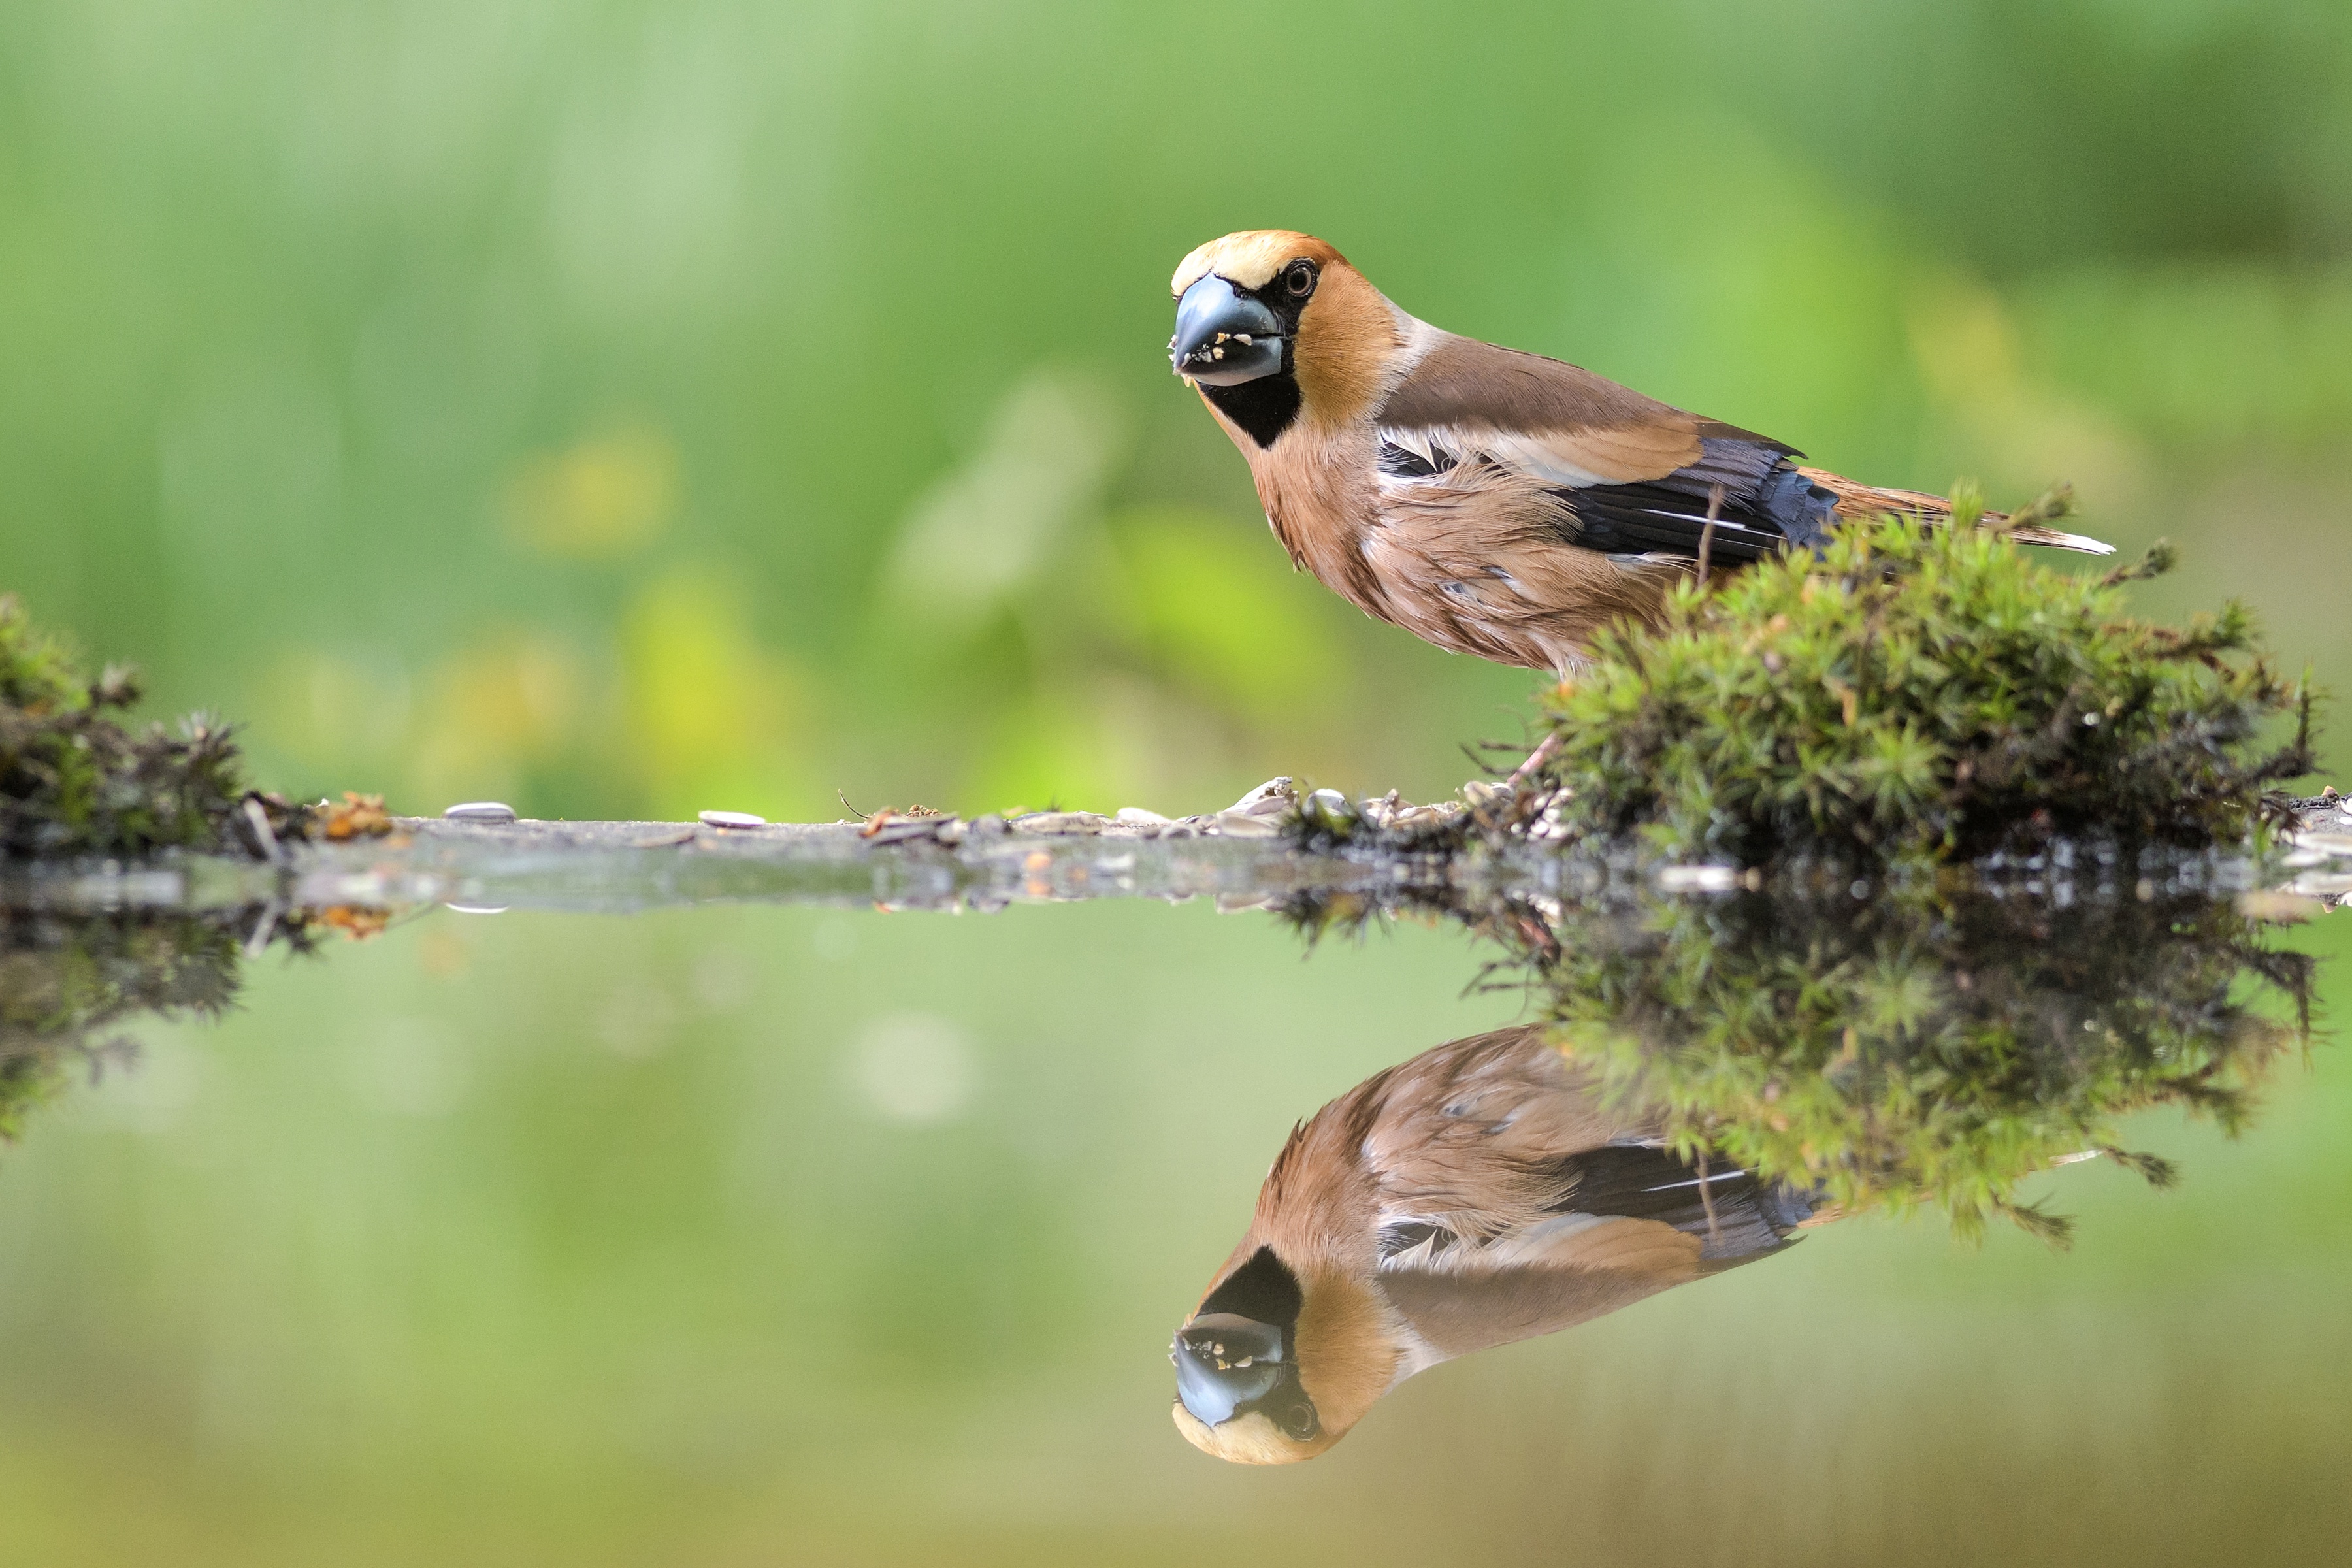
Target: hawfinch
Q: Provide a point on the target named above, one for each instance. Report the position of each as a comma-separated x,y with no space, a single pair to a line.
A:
1478,1195
1490,502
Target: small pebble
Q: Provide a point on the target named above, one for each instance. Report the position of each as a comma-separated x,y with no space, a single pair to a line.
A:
1272,797
480,811
733,819
1330,808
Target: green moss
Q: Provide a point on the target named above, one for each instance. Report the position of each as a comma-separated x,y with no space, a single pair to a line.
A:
1915,695
75,781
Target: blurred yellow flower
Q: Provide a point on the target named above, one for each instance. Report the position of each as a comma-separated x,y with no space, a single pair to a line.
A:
2001,416
1221,613
604,496
490,711
707,710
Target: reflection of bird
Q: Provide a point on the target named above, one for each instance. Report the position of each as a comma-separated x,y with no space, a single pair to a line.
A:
1477,1195
1490,502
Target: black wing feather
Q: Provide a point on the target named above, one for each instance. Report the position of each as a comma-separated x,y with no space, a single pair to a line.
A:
1641,1181
1761,505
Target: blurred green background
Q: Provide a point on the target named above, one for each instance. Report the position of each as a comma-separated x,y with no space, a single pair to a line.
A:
626,408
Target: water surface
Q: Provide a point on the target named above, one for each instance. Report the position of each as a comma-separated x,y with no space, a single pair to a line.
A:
756,1232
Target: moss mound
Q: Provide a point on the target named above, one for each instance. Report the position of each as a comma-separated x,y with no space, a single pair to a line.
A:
75,781
1920,695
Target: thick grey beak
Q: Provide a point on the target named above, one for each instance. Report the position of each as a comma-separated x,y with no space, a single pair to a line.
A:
1222,336
1223,1361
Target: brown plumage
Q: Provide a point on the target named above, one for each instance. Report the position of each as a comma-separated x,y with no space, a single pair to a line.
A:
1490,502
1477,1195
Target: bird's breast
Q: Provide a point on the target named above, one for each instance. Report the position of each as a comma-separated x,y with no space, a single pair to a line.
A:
1318,490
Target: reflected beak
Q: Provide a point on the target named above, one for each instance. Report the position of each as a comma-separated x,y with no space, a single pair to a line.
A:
1224,1361
1222,336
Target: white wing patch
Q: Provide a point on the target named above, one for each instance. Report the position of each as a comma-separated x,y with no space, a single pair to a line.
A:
1448,447
1443,1252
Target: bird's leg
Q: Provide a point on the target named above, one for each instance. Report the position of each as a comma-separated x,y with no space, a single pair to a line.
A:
1543,752
1536,760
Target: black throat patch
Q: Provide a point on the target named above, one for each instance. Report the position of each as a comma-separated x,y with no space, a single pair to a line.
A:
1263,408
1263,1290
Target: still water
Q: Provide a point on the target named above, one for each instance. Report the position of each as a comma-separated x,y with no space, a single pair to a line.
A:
775,1233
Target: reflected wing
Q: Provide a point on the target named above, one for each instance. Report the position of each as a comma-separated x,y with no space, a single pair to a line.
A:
1513,1203
1728,1215
1472,1137
1471,1297
1631,1219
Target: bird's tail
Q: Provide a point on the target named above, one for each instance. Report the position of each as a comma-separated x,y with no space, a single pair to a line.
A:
1860,501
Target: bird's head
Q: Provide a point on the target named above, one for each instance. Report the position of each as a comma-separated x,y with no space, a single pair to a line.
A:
1270,323
1270,1370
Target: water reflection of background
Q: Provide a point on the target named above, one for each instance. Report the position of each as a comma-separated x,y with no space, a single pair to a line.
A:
602,1240
600,410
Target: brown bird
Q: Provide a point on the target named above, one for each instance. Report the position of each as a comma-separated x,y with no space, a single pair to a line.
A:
1490,502
1476,1196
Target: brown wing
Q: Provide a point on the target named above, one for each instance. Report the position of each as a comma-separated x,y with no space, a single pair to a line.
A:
1513,1203
1605,1267
1630,474
1473,1134
1579,423
1612,471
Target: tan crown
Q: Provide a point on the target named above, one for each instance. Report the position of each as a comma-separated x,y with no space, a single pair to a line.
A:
1250,1439
1250,257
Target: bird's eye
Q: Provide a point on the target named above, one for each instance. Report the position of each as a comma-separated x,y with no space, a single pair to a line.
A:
1299,281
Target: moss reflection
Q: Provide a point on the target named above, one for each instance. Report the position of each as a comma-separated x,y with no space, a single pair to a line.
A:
1898,1054
1895,1048
69,984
